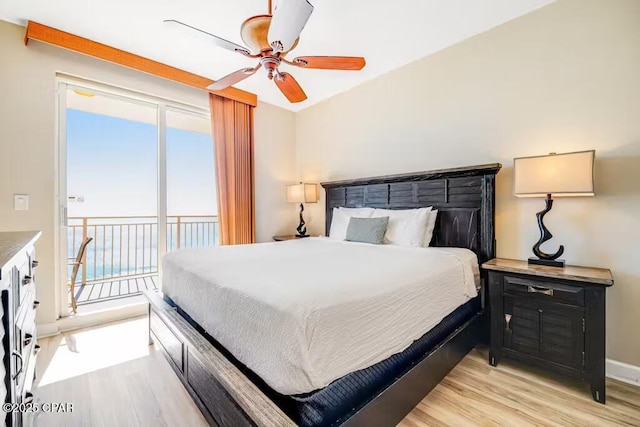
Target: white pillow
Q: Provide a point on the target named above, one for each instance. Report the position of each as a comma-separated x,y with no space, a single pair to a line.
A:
406,226
340,220
358,212
431,225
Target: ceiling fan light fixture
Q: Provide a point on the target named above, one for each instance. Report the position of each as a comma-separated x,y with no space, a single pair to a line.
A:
253,32
289,18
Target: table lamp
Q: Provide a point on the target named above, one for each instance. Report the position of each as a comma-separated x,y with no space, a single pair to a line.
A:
554,175
302,193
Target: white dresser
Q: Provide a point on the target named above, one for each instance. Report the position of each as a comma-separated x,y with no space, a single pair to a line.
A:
18,333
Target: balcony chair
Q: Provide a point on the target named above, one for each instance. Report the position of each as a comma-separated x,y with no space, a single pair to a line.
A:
77,262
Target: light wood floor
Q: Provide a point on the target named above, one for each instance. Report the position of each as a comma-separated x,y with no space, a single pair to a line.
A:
512,394
113,378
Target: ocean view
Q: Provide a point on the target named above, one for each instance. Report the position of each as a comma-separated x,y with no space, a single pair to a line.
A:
129,246
112,184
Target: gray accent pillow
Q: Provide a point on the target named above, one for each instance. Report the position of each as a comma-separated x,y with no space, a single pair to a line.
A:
367,230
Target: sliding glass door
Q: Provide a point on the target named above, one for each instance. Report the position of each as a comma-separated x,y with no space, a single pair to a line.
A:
136,179
192,219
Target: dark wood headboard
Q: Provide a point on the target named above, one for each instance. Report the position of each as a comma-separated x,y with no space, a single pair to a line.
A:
464,197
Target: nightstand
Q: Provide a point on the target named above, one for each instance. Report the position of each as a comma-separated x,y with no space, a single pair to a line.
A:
550,317
283,238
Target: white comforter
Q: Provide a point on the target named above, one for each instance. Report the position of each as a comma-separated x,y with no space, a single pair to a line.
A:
303,313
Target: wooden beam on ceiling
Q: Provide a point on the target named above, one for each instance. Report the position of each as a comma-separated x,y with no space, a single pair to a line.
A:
88,47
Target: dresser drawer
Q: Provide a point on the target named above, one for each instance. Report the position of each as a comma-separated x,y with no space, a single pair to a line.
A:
543,290
25,347
167,339
25,283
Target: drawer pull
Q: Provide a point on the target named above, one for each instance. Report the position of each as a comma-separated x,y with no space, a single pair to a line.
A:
34,263
19,371
27,339
28,397
26,280
535,290
507,319
36,349
36,304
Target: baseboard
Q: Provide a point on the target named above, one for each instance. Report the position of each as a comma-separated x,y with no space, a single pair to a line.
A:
79,321
624,372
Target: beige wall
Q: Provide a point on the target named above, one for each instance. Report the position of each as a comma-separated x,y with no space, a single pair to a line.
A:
564,78
275,167
28,143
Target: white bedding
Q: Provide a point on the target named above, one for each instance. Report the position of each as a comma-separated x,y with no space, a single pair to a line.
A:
303,313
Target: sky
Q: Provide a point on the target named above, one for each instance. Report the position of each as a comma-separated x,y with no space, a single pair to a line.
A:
112,165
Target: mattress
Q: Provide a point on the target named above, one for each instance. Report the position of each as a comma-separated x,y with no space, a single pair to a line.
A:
303,313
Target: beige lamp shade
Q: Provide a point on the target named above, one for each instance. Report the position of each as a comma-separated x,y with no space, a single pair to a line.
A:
302,193
561,175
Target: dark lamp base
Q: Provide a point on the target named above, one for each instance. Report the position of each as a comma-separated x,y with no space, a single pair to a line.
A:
300,236
547,262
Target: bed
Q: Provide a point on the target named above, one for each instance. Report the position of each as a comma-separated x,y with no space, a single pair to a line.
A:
344,345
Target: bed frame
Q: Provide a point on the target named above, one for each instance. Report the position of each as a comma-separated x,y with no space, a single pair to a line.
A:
465,198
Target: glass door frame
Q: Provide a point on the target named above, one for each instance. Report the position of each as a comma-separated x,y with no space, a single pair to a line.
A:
65,83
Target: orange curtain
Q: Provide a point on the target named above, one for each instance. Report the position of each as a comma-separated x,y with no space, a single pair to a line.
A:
232,124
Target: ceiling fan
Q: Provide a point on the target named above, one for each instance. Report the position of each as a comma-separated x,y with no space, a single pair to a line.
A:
271,37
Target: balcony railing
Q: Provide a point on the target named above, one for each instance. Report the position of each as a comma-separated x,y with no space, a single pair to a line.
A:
127,247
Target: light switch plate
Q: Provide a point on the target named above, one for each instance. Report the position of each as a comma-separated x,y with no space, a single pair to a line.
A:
21,202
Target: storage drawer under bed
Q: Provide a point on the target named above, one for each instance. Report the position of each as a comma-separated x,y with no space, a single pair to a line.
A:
167,339
218,406
217,400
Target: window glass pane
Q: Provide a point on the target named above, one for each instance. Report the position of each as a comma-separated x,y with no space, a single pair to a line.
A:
112,189
191,191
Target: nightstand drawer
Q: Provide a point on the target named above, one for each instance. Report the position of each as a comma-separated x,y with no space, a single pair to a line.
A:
543,290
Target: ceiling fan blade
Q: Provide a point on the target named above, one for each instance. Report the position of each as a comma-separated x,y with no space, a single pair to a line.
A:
287,23
208,37
290,87
330,62
233,78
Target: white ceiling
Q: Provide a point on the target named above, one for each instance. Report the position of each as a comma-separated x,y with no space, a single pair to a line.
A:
389,34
